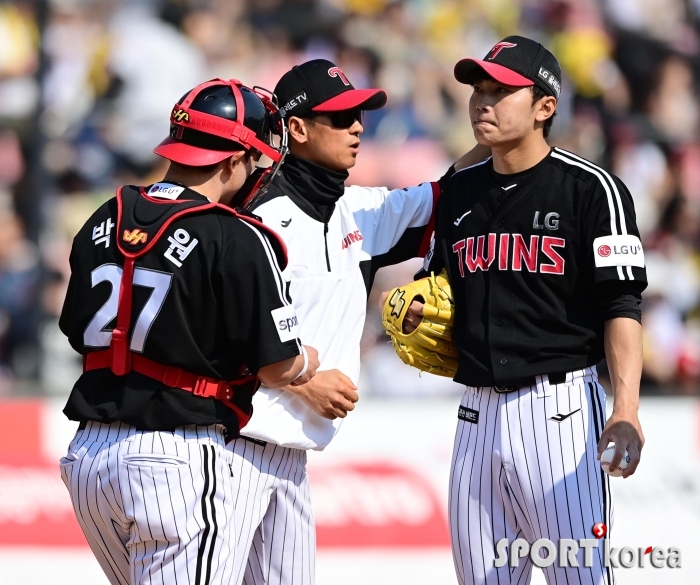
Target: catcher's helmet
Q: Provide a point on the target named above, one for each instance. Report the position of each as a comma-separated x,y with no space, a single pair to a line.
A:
221,117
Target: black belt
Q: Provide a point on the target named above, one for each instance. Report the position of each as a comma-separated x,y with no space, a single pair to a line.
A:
555,378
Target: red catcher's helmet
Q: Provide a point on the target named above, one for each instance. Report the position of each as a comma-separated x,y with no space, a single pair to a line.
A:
220,117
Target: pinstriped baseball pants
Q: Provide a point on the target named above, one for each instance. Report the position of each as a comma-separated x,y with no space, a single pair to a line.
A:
525,467
276,537
156,507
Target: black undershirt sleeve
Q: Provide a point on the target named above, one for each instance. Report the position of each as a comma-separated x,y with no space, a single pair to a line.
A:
620,299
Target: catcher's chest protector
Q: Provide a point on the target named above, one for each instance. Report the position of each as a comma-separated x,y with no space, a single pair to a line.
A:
141,221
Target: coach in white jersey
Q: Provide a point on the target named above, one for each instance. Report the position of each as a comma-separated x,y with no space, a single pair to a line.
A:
547,270
337,237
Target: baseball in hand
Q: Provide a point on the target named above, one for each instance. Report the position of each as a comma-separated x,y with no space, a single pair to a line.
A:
606,458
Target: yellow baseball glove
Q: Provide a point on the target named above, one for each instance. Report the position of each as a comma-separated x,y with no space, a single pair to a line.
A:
429,347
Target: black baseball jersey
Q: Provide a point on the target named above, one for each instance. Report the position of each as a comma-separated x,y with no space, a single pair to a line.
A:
208,298
529,258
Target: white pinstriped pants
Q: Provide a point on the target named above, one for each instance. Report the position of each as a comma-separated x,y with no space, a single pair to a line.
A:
516,473
276,536
155,507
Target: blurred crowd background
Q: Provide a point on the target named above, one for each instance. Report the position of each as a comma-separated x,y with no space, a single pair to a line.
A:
86,88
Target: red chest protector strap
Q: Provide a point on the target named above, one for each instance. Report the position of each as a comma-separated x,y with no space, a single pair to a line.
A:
119,358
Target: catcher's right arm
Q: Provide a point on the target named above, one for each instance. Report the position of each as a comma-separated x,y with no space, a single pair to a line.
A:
429,346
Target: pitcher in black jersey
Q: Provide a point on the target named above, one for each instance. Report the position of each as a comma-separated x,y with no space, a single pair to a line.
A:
547,270
178,306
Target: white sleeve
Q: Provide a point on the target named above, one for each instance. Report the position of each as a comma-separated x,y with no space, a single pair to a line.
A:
384,216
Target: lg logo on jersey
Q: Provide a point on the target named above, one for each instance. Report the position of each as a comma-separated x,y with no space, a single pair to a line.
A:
478,253
622,250
551,221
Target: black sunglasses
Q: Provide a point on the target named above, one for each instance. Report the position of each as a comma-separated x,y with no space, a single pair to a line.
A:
341,119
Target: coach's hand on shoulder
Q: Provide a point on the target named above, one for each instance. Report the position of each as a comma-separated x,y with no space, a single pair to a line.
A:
291,370
330,393
474,156
625,431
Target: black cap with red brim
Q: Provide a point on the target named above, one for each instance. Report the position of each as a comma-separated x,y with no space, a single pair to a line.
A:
321,86
367,99
515,61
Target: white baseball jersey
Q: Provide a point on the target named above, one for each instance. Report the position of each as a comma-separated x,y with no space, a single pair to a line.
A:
327,274
524,466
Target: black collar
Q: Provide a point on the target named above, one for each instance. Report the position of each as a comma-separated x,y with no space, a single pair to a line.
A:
315,189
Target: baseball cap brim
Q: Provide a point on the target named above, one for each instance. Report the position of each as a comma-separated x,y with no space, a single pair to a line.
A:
193,156
464,73
367,99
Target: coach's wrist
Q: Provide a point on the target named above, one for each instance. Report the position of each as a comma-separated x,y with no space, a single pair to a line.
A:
297,389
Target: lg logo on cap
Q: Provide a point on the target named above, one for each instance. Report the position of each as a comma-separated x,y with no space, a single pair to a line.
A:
338,72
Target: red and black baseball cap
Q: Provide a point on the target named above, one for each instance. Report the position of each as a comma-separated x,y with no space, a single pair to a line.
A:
219,118
516,61
321,86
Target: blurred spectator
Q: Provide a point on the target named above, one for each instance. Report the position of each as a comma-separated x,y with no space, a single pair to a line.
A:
19,278
115,67
18,60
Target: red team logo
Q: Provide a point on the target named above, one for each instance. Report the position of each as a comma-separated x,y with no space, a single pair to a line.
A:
338,72
498,47
604,251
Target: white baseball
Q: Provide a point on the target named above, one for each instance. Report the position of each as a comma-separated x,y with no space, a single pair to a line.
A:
606,458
